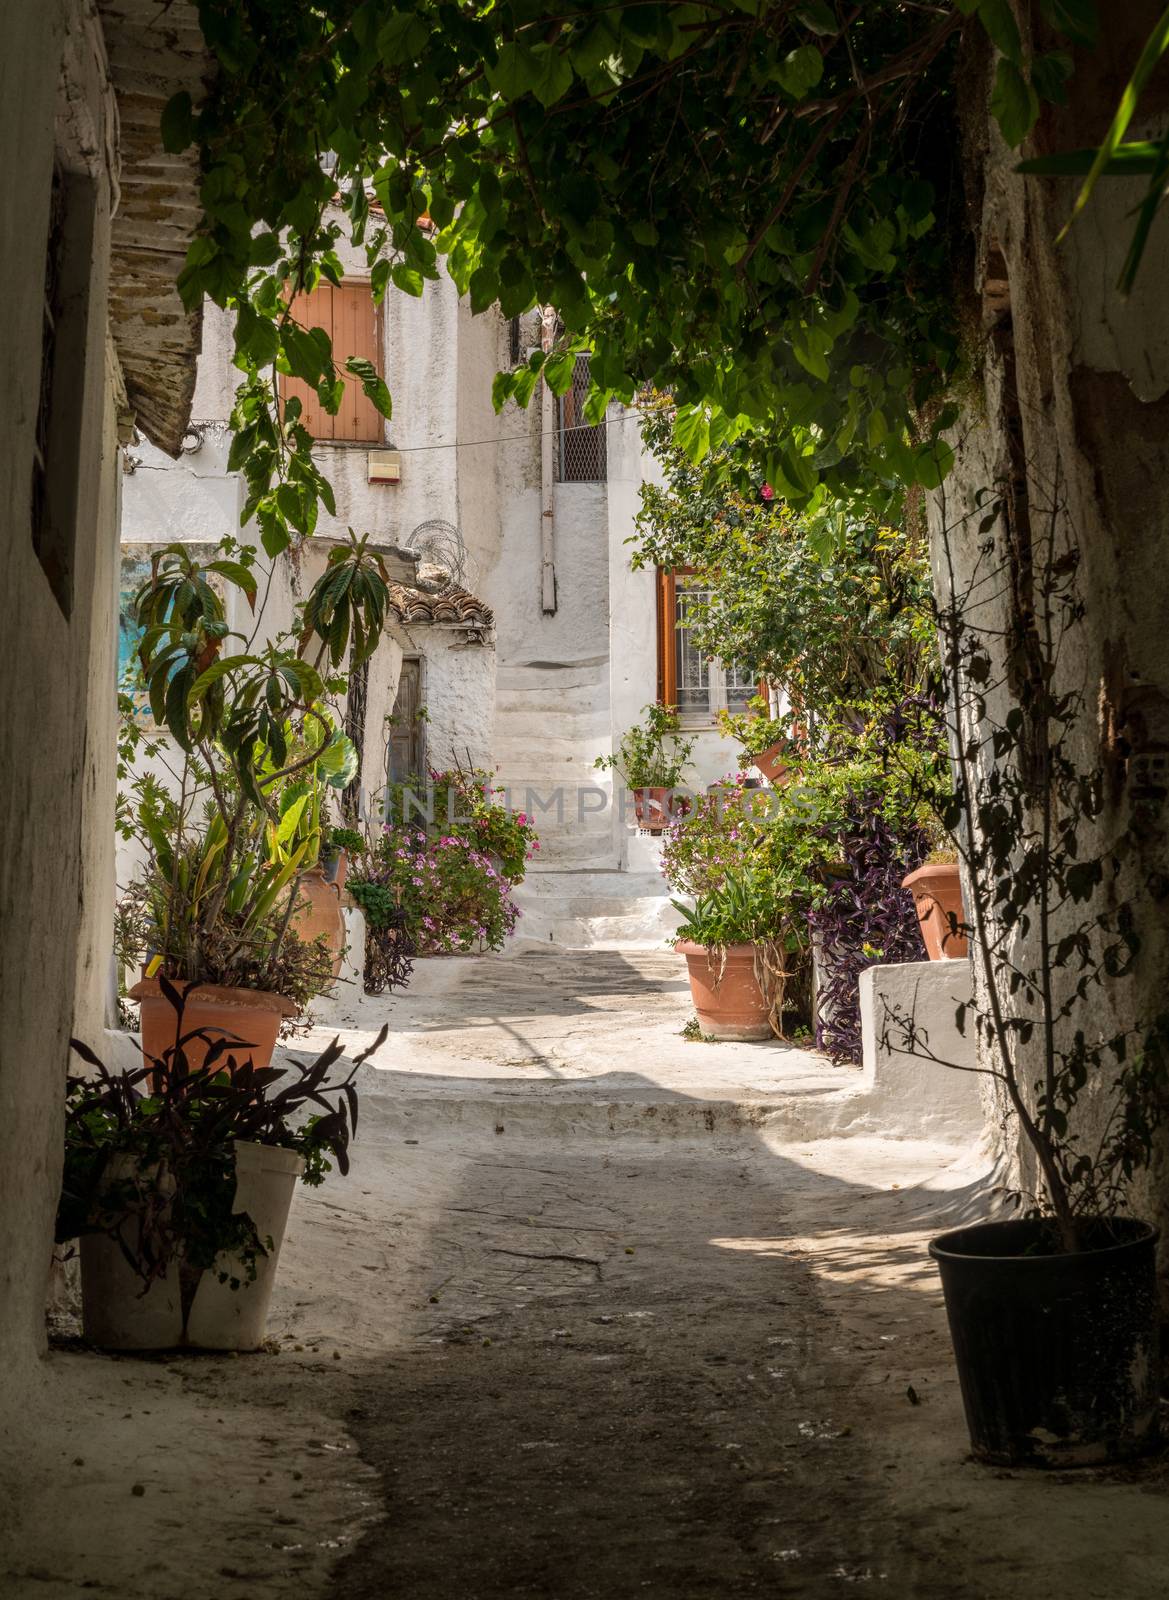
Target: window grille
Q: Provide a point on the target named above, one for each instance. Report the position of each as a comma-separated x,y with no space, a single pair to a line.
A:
580,446
693,668
741,688
698,687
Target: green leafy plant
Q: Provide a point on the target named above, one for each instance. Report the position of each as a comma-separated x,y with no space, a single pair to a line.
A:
237,813
796,295
1116,156
150,1152
443,886
830,607
756,730
748,906
651,755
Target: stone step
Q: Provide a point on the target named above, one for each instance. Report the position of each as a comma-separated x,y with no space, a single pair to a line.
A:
605,885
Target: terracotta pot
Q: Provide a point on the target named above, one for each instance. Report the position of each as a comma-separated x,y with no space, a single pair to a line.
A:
319,912
774,765
731,1006
251,1015
937,895
654,811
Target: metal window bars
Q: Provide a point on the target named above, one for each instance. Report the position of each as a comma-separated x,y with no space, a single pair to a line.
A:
581,453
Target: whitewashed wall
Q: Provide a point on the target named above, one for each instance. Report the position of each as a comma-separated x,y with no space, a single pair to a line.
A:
56,714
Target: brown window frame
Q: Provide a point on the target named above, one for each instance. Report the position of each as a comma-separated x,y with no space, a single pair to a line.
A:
667,652
369,424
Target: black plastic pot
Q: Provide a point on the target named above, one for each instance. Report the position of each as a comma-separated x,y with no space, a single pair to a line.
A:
1058,1353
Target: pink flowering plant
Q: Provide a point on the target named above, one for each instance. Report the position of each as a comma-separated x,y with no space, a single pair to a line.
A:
446,862
725,828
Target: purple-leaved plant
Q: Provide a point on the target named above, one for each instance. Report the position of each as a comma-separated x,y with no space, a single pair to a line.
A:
866,917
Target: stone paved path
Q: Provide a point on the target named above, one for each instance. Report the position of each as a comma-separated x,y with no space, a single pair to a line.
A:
530,1347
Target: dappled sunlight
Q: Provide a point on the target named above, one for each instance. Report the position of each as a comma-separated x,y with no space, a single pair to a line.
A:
854,1259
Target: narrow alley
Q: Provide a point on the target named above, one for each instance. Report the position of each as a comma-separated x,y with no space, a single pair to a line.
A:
572,1329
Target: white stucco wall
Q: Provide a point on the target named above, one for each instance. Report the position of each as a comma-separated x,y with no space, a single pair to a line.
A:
53,737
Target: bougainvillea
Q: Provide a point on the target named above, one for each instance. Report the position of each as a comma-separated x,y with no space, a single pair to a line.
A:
444,866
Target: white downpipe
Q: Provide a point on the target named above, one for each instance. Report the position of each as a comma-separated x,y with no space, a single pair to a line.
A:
547,497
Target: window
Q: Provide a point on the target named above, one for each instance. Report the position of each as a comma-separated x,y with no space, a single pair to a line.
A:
696,685
69,333
580,446
350,318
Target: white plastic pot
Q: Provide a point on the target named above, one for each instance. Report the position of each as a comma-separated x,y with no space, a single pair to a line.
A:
223,1318
118,1316
115,1312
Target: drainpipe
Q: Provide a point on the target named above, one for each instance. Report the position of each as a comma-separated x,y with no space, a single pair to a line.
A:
547,508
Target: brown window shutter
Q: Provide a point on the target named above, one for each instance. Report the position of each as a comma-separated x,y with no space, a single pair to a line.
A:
667,651
350,318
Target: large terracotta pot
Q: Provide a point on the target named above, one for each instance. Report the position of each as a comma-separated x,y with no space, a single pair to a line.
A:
773,764
251,1015
731,1006
937,896
319,912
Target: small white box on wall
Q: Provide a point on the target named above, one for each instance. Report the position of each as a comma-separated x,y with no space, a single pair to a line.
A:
384,466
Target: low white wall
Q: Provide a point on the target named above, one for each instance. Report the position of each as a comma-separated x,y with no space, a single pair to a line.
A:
921,1097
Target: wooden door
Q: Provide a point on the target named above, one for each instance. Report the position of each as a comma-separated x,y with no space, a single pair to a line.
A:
407,751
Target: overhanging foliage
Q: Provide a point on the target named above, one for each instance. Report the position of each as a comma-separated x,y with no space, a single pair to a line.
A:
743,202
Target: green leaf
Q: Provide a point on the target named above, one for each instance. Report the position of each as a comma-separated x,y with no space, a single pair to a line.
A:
1136,159
933,463
692,431
1077,19
372,384
998,19
800,71
514,71
1049,74
402,38
1013,103
408,279
1155,47
818,16
177,123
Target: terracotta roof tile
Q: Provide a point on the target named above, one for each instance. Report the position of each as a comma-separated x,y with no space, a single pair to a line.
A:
456,606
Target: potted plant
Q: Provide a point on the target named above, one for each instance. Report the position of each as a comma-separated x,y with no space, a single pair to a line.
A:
231,833
736,955
650,761
936,887
766,741
341,846
178,1182
1053,1313
442,886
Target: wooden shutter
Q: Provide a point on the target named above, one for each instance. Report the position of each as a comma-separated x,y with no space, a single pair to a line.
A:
667,640
350,318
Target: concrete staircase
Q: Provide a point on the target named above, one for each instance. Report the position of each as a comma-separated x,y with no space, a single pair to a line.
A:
613,910
586,888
